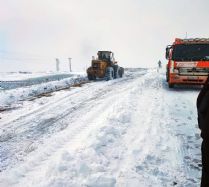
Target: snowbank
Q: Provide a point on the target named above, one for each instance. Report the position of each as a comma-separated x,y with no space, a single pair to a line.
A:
12,98
17,80
19,76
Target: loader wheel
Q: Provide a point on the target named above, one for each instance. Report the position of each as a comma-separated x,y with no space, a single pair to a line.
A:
121,72
116,71
109,75
91,77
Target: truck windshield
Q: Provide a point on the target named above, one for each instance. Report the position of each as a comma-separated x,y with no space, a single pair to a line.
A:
190,52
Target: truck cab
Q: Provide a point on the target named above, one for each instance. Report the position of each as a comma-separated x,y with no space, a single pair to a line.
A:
188,61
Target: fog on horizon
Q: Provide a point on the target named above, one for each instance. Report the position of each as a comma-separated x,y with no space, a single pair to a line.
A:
33,33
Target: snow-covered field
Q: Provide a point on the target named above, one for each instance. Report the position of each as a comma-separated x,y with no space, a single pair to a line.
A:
132,132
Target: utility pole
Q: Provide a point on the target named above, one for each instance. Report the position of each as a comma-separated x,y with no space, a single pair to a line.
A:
186,35
70,64
57,64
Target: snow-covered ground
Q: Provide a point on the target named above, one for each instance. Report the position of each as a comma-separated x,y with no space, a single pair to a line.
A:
132,131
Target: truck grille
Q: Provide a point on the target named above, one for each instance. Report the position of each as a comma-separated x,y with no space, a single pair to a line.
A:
194,71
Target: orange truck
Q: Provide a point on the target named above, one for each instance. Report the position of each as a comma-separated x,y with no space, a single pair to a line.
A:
188,61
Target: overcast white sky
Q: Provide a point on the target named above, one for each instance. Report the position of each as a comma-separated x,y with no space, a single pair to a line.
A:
34,32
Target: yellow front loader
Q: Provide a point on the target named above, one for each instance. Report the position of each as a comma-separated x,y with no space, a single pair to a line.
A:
104,67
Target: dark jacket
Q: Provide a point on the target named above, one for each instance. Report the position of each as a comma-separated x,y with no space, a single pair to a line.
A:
203,110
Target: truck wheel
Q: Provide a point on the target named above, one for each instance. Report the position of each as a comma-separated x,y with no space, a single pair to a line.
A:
109,75
170,85
167,75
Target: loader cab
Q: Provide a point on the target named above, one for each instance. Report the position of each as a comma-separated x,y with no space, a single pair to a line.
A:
106,56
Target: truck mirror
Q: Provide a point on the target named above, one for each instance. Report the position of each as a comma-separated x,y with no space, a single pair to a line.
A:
168,48
167,53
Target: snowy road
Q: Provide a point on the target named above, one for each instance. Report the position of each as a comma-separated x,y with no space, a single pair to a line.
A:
132,131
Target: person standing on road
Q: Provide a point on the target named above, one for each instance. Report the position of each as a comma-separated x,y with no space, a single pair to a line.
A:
203,122
159,64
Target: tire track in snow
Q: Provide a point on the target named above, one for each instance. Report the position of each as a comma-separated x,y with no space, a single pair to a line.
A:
151,158
144,141
81,127
162,164
135,143
62,141
43,108
186,130
28,130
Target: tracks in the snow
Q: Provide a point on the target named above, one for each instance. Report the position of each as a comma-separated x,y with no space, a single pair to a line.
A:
83,116
125,131
24,133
